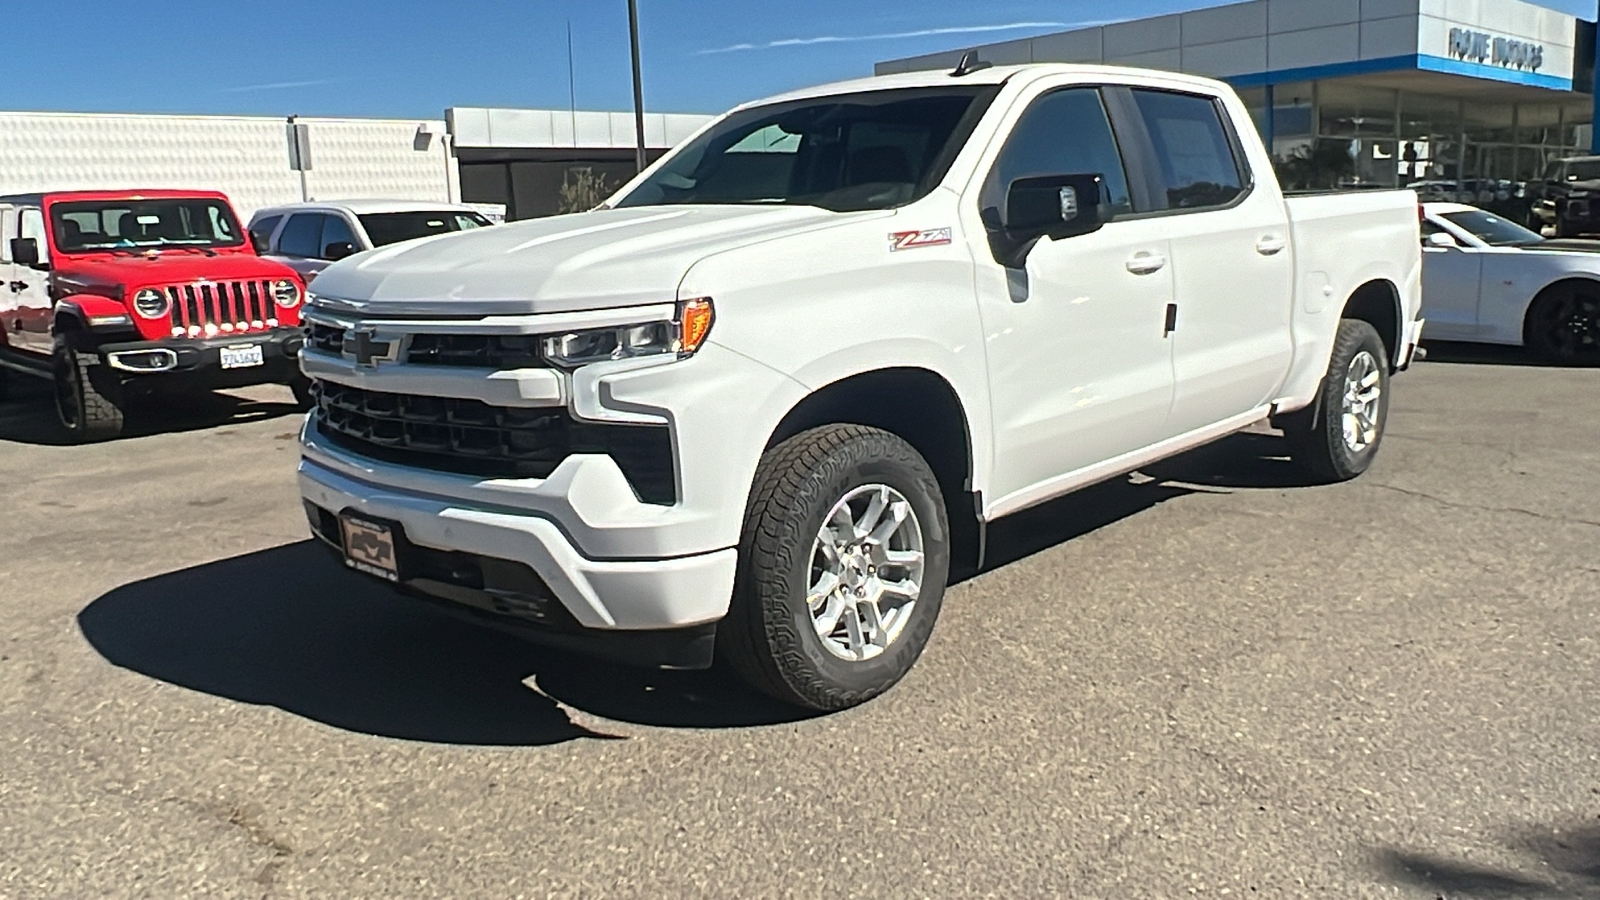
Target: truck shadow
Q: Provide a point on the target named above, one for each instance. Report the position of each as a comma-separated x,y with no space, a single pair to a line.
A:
28,415
1482,355
1568,859
291,628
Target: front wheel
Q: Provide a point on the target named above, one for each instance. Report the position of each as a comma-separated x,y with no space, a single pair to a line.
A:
1337,437
842,568
90,400
1563,324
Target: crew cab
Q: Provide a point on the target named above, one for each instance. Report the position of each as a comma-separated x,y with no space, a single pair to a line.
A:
1486,279
114,293
759,404
309,237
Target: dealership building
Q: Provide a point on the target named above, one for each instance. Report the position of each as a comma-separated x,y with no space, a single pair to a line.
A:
1467,96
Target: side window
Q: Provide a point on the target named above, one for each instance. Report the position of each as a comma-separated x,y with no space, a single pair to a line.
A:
302,236
8,230
262,230
1192,146
31,225
1065,132
336,230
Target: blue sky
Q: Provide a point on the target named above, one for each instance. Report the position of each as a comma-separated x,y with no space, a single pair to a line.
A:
413,58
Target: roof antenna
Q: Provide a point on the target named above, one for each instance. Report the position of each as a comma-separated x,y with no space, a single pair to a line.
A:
969,64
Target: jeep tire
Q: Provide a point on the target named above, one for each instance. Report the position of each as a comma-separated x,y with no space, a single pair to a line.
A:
90,400
856,508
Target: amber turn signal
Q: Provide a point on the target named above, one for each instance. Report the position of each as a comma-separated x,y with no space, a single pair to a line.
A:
694,323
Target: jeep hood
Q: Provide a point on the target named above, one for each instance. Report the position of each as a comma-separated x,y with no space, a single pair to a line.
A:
85,272
597,260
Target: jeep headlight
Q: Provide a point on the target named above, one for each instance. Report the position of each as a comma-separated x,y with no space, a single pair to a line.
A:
681,336
285,293
150,303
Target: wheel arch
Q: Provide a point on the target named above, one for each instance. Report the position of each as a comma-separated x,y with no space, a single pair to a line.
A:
1377,303
1547,290
922,408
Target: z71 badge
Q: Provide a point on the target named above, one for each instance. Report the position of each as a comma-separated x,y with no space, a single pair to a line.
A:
911,240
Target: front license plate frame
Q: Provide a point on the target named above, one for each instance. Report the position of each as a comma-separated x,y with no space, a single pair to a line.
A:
371,547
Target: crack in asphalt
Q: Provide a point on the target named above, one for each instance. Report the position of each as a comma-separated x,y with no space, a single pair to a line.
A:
1452,504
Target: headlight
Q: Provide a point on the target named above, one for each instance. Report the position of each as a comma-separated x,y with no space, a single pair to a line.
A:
681,336
150,303
286,293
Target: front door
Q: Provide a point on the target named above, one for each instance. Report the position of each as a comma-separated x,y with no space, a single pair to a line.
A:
27,291
1452,284
1233,269
1079,369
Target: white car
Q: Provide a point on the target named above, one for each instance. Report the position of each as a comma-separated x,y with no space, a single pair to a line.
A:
759,403
309,237
1487,279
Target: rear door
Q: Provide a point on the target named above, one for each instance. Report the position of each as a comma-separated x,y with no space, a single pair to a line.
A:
1233,273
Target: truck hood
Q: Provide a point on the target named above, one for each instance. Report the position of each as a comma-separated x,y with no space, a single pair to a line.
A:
597,260
84,273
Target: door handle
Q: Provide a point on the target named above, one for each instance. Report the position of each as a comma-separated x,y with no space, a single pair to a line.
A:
18,287
1146,263
1271,245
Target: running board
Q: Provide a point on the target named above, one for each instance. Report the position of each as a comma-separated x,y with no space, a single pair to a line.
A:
25,363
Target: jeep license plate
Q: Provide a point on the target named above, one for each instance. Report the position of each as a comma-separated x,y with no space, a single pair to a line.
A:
242,357
369,548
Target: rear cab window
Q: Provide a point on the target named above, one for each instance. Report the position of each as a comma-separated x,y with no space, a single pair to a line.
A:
262,230
302,236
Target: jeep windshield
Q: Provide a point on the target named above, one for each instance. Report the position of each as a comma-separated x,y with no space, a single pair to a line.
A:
873,150
90,225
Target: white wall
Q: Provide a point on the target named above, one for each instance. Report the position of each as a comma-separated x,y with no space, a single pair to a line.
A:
245,157
476,126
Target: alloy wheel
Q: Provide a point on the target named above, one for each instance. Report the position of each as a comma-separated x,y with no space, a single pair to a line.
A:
1363,402
866,572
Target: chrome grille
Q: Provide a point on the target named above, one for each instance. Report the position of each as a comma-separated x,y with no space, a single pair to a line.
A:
207,308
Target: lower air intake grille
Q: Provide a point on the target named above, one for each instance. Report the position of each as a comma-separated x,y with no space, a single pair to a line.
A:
471,437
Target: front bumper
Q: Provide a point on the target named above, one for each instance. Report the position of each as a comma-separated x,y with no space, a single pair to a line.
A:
198,362
599,595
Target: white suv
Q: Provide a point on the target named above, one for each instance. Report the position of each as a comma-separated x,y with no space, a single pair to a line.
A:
309,237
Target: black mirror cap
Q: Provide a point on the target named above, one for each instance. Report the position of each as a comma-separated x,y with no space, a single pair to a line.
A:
338,250
25,251
1056,205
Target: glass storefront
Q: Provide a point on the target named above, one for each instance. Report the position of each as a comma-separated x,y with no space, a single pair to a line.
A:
1344,134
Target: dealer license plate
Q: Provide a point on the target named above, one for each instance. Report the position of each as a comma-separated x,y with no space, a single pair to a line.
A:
242,357
369,548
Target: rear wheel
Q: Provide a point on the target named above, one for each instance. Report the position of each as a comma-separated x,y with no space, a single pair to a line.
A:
89,397
1336,438
842,568
1563,324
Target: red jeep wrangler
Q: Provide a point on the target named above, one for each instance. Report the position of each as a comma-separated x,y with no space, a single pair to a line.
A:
112,293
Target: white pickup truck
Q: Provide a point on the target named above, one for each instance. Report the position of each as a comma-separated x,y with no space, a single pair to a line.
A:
757,405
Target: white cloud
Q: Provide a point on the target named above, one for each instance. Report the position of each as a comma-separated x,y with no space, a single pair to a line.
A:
278,85
895,36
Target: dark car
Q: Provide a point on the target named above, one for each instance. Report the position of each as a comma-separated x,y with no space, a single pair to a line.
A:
1570,198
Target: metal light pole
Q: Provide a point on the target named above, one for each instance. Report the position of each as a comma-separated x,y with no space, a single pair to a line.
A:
638,85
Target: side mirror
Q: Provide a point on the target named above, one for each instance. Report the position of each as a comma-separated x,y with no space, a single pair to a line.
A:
1053,206
1442,241
25,251
338,250
258,242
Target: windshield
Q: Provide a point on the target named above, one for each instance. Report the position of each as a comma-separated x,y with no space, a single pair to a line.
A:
1491,229
862,151
1588,170
129,224
392,228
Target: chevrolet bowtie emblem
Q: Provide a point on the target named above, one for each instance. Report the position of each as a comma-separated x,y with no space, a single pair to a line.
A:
362,343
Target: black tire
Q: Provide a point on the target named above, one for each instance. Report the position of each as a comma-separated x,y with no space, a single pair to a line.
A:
304,397
1316,434
89,398
1563,324
769,637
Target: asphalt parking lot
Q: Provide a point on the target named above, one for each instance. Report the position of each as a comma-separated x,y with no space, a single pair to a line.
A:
1204,680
